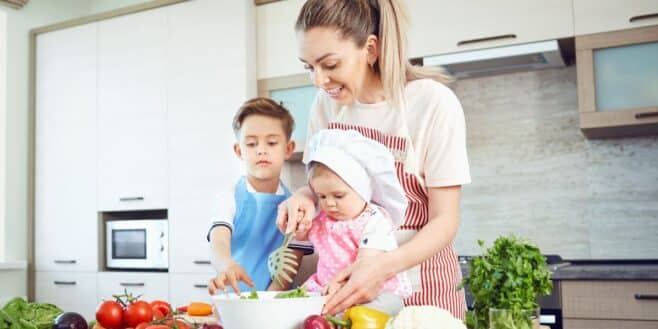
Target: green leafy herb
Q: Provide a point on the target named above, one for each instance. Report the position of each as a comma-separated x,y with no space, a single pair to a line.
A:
510,275
252,295
298,292
19,314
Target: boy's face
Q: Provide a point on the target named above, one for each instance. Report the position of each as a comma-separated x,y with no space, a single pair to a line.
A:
336,198
263,146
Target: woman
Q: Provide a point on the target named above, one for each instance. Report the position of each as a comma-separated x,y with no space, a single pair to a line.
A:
355,51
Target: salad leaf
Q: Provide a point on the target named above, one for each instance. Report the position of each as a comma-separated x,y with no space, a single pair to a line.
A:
19,314
298,292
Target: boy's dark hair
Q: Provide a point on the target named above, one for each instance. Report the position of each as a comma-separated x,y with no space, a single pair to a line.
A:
267,107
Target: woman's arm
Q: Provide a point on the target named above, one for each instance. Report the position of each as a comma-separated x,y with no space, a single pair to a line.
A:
366,276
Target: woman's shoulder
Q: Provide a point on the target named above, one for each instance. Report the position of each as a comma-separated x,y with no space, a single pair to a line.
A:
426,97
428,89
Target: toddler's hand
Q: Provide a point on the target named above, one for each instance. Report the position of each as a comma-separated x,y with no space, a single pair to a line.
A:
231,276
303,208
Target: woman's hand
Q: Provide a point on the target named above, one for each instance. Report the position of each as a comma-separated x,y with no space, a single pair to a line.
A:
231,276
364,279
302,206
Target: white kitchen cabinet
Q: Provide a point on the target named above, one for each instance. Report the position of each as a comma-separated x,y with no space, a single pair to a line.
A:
150,286
66,222
206,88
70,291
132,158
277,44
594,16
186,288
443,26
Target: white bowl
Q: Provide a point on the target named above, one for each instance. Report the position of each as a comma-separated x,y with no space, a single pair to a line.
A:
266,312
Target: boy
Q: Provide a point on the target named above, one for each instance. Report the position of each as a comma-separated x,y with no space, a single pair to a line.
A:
246,232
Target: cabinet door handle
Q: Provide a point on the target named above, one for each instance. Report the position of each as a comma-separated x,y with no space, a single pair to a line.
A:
65,283
131,198
132,284
70,261
642,17
497,37
202,262
646,296
646,115
204,286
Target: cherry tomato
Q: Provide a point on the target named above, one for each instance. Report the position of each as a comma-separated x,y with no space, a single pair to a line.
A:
179,324
110,314
142,325
136,313
160,308
157,326
182,309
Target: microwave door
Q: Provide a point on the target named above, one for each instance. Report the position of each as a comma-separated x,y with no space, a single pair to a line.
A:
127,248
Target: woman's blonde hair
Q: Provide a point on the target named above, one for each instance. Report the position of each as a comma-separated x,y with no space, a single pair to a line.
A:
386,19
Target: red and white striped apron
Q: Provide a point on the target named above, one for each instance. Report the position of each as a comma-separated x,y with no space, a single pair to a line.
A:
434,281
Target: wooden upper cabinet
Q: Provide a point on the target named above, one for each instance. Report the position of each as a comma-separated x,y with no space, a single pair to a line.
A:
277,44
618,82
442,26
594,16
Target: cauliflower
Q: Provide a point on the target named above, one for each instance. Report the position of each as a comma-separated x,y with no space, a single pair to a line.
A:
424,317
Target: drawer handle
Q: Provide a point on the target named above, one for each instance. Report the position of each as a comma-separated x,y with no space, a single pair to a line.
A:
498,37
646,296
646,115
204,286
72,261
132,284
65,283
642,17
131,198
202,262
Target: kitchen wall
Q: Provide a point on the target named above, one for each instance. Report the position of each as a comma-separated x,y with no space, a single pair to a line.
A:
536,176
19,22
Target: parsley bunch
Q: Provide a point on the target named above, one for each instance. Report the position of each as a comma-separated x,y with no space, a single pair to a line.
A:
509,275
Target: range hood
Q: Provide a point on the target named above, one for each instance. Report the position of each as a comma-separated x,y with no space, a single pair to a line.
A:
523,57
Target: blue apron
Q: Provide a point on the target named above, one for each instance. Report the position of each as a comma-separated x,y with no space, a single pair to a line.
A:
255,234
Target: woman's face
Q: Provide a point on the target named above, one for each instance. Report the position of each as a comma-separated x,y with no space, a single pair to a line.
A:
336,64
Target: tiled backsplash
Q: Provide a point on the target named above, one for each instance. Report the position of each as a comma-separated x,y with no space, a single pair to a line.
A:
535,175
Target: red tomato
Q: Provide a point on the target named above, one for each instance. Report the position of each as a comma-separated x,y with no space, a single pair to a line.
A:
179,324
136,313
157,314
160,308
110,314
157,326
142,325
182,309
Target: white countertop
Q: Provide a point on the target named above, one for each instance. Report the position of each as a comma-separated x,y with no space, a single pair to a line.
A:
13,265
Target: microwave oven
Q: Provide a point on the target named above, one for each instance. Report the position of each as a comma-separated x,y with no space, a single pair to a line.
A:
137,244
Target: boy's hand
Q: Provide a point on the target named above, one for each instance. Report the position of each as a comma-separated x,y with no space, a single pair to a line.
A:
231,276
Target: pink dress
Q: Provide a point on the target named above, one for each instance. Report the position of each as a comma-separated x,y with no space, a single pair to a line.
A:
337,244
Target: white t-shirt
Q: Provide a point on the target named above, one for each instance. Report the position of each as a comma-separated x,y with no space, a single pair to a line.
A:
435,121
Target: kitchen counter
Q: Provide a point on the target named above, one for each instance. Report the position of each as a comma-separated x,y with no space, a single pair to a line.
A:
607,271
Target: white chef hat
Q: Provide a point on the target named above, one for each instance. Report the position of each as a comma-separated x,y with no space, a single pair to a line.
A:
365,165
